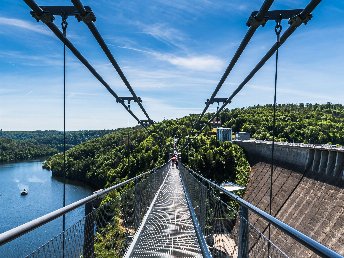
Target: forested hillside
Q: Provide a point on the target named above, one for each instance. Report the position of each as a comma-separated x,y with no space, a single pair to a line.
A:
11,150
104,161
303,123
26,145
54,139
110,159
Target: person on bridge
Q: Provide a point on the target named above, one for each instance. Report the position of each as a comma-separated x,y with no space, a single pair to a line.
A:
173,160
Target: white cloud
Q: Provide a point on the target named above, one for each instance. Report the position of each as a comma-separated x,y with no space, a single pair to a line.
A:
191,62
23,25
166,34
197,63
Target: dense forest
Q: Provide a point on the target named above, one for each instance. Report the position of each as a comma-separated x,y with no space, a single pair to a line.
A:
126,152
12,150
104,159
26,145
302,123
54,139
110,158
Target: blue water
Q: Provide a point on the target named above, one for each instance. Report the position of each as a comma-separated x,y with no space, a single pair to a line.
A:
45,195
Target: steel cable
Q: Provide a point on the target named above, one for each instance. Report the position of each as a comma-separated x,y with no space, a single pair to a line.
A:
278,29
109,55
78,55
293,26
259,17
64,25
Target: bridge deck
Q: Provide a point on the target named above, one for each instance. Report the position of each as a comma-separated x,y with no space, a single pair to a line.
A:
167,230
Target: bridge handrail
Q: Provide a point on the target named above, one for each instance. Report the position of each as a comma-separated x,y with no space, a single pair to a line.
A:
297,235
201,240
31,225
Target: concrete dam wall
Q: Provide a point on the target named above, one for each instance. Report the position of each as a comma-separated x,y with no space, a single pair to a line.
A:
325,163
307,192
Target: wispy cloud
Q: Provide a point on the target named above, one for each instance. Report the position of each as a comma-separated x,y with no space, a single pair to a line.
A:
23,25
165,34
191,62
81,95
197,7
28,93
198,63
22,58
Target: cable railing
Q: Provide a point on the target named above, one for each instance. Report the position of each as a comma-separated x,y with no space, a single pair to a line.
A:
234,227
111,219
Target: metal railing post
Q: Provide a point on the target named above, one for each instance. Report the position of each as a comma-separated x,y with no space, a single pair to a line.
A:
203,207
89,227
136,206
88,248
243,232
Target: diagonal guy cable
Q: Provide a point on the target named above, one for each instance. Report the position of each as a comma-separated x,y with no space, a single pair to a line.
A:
258,20
303,17
58,33
79,6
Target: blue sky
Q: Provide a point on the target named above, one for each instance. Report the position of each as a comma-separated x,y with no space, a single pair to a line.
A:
173,54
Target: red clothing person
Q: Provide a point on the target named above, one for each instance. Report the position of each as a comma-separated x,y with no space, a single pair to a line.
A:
174,160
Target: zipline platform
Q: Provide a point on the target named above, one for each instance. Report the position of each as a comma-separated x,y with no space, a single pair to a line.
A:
167,229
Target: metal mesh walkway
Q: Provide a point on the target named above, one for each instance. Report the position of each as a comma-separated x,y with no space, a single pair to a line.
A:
167,229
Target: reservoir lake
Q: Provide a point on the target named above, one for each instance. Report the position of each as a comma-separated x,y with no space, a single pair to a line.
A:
45,194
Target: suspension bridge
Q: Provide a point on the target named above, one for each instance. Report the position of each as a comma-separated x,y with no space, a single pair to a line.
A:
169,211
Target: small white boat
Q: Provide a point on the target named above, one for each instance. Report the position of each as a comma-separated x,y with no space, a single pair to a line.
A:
24,192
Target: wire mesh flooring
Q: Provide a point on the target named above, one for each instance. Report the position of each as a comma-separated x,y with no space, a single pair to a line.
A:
167,229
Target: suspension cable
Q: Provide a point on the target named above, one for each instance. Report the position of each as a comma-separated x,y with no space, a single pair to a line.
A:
107,52
64,29
278,29
294,24
259,19
49,22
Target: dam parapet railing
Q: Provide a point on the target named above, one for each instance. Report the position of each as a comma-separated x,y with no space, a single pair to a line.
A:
322,161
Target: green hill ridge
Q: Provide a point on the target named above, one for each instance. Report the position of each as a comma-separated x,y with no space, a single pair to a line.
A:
109,159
